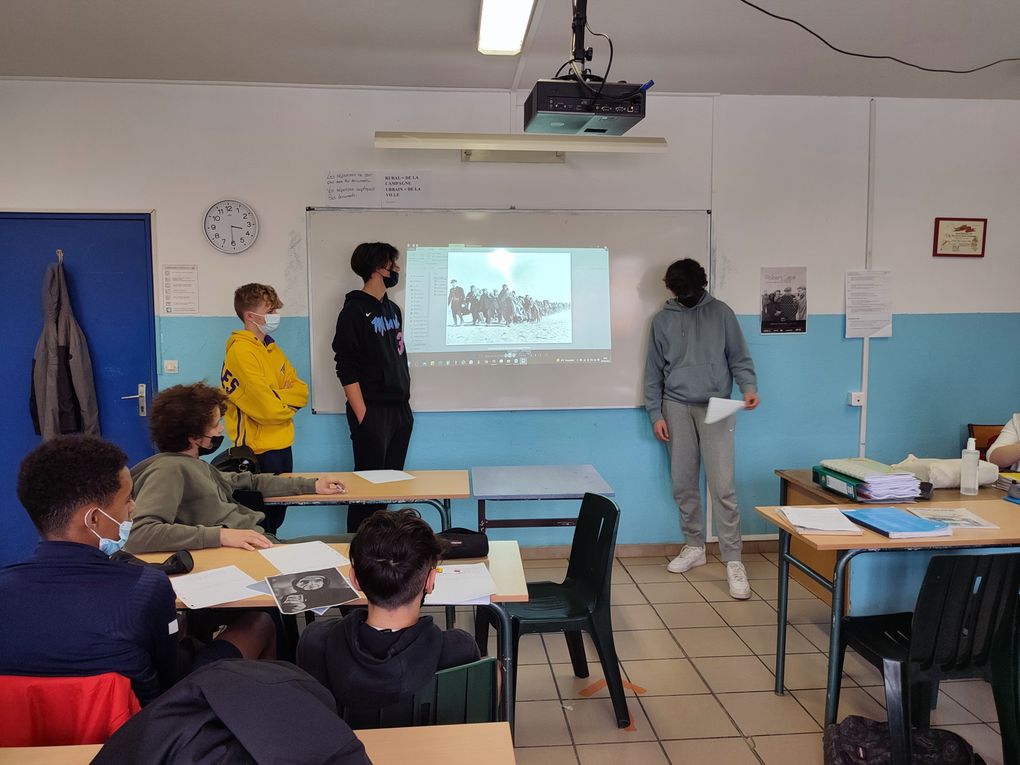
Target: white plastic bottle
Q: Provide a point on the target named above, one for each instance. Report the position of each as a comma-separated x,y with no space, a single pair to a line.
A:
969,469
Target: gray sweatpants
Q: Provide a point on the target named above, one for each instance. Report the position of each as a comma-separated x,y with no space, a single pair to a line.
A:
690,442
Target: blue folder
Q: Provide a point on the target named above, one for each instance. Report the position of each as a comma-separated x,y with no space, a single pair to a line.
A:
897,524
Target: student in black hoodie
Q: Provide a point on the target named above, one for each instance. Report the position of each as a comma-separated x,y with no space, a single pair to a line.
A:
374,658
371,363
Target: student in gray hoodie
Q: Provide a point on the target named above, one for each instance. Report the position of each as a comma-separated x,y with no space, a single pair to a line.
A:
696,351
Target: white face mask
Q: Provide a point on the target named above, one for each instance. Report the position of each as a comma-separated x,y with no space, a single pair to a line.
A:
271,321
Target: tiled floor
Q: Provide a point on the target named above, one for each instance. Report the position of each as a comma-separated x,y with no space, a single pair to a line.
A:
701,667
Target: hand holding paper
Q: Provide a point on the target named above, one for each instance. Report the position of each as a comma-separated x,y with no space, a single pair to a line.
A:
721,408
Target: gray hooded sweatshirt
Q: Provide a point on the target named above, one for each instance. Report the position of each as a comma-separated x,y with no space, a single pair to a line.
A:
694,354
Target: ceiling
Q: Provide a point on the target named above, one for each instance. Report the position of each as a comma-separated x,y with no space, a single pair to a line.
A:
686,46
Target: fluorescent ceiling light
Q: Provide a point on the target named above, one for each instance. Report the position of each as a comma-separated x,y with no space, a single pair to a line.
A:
503,26
518,147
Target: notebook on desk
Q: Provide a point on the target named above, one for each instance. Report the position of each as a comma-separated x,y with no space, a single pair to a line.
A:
898,524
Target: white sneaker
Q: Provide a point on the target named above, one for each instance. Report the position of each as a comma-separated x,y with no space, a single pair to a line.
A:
736,576
688,558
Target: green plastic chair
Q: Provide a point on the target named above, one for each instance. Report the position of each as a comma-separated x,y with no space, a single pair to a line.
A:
579,603
1005,679
464,694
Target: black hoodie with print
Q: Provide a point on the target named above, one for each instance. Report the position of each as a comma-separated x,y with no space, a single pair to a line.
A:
369,348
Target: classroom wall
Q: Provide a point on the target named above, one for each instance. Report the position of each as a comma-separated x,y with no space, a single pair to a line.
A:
786,179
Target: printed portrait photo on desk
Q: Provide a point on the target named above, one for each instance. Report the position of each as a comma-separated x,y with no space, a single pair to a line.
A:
310,590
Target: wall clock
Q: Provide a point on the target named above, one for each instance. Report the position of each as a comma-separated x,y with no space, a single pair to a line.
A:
231,226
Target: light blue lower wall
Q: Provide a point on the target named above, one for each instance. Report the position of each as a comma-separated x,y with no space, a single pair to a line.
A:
935,374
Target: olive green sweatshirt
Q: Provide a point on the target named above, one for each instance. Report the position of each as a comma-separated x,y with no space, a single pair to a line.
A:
181,502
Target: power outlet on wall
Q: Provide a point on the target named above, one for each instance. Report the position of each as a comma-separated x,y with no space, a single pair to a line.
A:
170,367
856,398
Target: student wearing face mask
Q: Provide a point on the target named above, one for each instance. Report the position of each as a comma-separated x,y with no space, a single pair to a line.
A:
184,503
696,351
71,611
371,362
263,390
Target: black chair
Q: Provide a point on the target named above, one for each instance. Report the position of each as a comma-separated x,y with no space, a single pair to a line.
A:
1006,686
967,604
579,603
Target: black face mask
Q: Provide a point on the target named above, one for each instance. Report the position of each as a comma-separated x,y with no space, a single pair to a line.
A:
389,282
214,444
691,300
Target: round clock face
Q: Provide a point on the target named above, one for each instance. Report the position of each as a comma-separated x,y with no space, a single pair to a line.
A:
231,226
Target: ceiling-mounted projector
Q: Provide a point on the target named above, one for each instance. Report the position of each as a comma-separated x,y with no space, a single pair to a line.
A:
568,107
581,103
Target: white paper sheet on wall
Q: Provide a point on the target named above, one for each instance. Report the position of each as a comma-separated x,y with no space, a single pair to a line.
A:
370,188
869,303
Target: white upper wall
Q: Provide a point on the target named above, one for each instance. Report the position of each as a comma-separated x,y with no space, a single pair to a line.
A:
786,177
176,149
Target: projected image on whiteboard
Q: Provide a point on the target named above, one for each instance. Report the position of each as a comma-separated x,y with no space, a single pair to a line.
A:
508,297
505,305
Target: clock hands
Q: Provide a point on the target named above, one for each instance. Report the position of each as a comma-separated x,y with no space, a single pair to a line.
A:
232,227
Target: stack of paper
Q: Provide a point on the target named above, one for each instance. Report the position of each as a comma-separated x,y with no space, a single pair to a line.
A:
305,556
881,482
1006,480
825,520
213,588
958,517
721,408
464,584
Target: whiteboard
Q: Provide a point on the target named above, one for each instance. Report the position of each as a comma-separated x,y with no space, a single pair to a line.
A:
641,244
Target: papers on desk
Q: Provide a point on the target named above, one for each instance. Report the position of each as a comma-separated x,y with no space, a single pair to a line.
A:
826,520
465,584
304,556
213,587
383,476
958,517
311,590
721,408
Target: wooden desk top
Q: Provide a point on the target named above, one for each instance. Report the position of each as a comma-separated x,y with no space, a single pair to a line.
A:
1004,514
538,482
504,563
427,484
425,745
802,479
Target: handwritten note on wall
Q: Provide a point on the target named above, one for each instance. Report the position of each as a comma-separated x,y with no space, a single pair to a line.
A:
370,188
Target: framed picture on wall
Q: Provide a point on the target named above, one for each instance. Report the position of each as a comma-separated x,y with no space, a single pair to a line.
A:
960,237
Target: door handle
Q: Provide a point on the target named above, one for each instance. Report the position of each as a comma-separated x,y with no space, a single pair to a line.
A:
141,399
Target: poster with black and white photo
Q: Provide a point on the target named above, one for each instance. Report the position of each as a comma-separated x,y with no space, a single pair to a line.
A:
310,590
784,299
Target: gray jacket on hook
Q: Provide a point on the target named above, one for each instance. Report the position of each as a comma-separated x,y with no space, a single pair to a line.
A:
63,398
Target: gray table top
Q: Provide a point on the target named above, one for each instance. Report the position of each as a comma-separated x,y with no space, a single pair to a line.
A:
537,482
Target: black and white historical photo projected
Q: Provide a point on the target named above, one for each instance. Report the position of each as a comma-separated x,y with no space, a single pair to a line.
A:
508,297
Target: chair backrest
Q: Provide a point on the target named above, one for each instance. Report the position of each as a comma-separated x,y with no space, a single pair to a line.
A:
591,552
464,694
963,602
984,436
59,711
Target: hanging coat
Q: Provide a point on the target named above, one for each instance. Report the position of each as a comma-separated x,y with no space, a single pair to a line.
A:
63,398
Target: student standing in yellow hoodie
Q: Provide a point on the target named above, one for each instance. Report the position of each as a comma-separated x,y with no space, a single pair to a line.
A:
263,390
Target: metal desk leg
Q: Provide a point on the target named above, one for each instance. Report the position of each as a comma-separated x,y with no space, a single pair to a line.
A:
482,523
783,601
843,558
505,649
445,511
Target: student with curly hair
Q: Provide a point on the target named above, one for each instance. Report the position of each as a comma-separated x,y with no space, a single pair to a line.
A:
263,390
373,658
184,503
71,611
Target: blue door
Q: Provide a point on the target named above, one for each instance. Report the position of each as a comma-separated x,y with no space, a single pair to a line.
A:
108,265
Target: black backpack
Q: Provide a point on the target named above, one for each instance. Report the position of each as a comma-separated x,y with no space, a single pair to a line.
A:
860,741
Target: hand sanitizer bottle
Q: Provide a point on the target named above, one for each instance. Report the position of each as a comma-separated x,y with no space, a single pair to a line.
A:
969,469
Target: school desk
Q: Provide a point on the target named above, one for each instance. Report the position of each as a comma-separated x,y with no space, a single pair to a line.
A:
797,488
504,562
424,745
435,488
533,482
846,547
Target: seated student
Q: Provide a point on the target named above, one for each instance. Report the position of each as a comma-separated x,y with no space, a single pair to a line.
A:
373,658
183,502
71,611
1005,450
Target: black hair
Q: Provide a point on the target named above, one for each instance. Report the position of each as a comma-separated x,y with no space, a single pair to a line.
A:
369,256
685,277
63,474
392,555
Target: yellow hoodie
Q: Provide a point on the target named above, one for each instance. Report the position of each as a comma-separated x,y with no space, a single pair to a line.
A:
263,393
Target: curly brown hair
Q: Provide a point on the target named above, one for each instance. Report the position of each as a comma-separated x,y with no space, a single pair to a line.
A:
183,412
247,297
